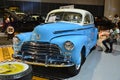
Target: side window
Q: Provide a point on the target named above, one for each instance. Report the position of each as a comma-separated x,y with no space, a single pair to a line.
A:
87,19
92,19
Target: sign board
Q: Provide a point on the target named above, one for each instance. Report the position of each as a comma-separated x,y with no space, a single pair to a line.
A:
67,7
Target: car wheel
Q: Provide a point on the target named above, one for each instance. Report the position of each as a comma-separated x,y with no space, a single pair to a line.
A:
10,30
74,70
15,71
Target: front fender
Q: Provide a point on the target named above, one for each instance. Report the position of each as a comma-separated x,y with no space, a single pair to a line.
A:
78,40
24,36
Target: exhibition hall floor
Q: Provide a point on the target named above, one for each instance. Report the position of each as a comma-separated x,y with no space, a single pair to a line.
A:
101,66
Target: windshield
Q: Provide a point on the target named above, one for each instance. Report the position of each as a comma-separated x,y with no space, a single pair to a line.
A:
65,16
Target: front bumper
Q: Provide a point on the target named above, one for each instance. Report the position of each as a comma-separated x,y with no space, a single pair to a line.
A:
50,65
51,61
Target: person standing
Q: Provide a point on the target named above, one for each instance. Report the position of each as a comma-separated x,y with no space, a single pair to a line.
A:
116,19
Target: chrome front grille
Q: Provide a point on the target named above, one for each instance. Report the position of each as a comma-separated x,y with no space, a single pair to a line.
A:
40,48
40,51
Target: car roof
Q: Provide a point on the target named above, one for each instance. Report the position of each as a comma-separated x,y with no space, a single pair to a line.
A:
70,10
80,11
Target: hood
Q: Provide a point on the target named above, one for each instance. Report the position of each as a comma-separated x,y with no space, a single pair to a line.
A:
51,30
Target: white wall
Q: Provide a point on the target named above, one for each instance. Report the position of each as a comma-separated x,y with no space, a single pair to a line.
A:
112,7
86,2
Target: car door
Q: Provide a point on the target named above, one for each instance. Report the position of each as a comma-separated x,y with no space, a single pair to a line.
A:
90,29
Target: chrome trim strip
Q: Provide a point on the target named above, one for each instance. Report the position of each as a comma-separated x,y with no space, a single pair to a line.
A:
50,65
57,32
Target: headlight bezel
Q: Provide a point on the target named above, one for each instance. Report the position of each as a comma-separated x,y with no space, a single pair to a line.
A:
16,40
68,45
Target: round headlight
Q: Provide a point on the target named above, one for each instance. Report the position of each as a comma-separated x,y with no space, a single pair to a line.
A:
16,40
68,45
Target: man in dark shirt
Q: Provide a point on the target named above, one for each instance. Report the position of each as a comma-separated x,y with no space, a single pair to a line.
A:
111,39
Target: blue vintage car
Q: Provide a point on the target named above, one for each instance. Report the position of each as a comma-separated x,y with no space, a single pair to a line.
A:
64,40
